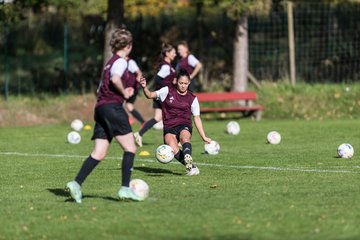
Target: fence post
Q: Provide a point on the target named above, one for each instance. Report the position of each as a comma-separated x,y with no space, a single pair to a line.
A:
291,43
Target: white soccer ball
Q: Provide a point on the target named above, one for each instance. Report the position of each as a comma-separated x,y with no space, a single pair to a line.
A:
212,148
345,150
164,153
273,137
73,137
233,128
159,125
77,125
140,188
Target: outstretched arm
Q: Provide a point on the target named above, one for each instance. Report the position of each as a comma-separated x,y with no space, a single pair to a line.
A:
147,92
200,128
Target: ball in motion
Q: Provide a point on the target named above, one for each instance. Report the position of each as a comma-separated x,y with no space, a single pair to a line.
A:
345,150
233,128
164,153
73,137
212,148
273,137
140,188
77,125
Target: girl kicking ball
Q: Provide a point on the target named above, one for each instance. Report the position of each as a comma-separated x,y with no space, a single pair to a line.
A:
178,105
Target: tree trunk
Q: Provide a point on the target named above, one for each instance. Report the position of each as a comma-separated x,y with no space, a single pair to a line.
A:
241,56
115,15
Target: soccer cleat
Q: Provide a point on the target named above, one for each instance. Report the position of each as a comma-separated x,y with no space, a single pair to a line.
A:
188,162
194,171
138,139
125,193
74,188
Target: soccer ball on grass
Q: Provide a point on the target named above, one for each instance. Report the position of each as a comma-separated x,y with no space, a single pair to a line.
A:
233,128
273,137
345,150
164,153
140,188
73,137
212,148
77,125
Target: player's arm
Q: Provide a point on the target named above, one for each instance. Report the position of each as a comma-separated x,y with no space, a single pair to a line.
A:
200,128
147,92
194,61
196,70
117,70
117,82
195,110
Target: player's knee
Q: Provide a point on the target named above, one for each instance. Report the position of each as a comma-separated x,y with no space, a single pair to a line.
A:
98,155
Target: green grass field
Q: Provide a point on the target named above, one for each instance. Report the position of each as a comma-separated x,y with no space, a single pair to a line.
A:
298,189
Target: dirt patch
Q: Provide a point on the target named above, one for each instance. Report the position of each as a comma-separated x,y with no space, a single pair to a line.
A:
28,111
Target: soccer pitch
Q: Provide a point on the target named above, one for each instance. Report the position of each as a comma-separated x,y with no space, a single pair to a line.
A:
298,189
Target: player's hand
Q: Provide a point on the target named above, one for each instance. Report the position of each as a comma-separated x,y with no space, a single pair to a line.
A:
139,77
129,91
207,140
142,82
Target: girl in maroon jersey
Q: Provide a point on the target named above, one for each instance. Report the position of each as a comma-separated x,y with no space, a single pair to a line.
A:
178,105
188,62
111,119
165,76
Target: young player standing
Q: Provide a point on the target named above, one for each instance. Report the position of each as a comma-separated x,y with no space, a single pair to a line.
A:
178,105
188,62
165,77
111,119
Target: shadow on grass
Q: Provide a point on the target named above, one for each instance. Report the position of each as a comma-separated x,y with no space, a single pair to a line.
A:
60,192
156,171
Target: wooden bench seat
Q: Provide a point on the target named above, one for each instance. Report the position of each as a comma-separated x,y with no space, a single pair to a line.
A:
232,103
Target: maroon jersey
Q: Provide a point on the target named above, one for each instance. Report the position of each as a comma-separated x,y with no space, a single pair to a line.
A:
168,78
176,108
107,92
184,64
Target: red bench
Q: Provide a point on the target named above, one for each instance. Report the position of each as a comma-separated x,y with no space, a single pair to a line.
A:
248,108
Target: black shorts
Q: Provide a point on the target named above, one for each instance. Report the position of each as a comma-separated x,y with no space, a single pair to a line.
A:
111,121
177,130
156,104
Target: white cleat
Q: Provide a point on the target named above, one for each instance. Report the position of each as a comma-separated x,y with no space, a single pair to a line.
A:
194,171
138,139
75,191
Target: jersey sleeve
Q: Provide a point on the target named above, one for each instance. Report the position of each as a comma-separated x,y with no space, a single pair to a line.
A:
195,107
133,67
162,93
119,67
164,71
192,60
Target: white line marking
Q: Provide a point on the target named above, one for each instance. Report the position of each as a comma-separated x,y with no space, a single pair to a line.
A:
271,168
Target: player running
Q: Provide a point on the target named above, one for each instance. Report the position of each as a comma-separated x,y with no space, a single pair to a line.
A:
178,105
111,119
165,77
